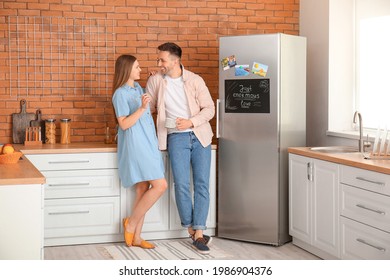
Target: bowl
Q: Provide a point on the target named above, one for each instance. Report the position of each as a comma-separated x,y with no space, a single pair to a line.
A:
10,158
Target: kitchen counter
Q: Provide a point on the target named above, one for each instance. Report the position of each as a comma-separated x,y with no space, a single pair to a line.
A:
67,148
20,173
71,148
351,159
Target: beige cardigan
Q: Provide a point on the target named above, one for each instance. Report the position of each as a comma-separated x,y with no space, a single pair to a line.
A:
200,104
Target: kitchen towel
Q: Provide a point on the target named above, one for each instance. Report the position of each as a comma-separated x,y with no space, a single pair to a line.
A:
165,250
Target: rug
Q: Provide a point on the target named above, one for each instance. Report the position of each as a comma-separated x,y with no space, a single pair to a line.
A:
165,250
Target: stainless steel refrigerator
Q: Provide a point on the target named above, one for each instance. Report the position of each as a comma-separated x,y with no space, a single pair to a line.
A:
261,112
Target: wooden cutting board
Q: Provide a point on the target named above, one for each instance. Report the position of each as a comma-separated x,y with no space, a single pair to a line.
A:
19,123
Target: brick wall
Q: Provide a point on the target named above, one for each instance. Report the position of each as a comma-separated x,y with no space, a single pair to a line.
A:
139,27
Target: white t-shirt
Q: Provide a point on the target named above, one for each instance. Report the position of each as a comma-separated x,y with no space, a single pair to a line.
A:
176,104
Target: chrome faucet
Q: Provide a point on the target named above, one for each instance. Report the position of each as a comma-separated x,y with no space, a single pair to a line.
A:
361,144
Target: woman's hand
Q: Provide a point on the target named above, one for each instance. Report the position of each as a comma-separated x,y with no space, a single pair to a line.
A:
145,99
152,73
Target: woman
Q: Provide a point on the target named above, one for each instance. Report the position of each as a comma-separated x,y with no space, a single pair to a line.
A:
139,160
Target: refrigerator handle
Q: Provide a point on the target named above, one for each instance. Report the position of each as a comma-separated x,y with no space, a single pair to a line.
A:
217,126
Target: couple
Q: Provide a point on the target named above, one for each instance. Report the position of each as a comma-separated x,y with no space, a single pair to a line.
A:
178,94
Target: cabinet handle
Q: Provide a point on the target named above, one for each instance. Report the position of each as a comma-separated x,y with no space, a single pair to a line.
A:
70,161
370,181
366,243
309,172
370,209
68,184
69,213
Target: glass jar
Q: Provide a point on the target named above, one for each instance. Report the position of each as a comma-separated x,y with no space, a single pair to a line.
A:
50,131
65,131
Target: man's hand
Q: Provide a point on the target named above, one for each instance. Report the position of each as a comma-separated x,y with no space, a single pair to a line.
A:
183,124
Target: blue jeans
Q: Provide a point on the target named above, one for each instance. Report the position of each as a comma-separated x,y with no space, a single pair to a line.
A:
185,151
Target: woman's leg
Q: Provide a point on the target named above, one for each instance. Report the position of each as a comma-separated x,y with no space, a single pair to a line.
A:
140,190
145,202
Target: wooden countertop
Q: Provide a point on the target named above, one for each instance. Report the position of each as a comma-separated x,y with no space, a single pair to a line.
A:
67,148
351,159
20,173
71,148
24,172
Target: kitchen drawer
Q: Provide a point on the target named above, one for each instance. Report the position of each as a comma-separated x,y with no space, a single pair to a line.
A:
79,161
365,179
81,183
364,206
359,241
81,217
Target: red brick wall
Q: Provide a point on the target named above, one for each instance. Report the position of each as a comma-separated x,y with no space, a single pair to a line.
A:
140,26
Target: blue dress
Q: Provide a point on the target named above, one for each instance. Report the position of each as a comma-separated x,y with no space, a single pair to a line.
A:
139,158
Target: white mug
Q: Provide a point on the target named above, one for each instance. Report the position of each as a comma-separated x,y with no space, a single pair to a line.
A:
170,123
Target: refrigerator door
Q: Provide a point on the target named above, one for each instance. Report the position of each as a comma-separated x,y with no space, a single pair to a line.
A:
249,141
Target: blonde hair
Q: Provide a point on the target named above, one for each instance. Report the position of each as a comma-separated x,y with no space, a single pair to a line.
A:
123,66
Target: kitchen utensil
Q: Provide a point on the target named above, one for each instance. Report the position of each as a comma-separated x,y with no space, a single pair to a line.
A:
33,136
20,121
33,133
387,153
376,142
38,122
383,142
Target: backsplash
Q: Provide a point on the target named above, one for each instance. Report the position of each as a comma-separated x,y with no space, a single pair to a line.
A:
52,56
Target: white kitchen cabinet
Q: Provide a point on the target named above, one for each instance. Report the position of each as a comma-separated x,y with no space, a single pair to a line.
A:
313,205
162,220
84,202
364,210
21,218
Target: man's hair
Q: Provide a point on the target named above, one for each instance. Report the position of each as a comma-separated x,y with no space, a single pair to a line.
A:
172,48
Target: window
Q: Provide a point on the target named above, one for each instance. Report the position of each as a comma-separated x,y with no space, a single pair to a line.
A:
373,62
359,61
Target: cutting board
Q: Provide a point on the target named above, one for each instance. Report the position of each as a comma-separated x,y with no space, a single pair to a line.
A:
38,122
19,123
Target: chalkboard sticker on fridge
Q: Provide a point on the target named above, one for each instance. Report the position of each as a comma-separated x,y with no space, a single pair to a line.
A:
247,96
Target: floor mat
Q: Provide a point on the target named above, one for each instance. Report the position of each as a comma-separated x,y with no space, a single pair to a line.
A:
165,250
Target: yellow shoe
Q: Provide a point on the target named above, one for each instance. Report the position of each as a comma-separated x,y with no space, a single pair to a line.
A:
145,245
129,236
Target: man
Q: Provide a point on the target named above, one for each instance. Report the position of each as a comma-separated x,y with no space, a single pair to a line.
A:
183,96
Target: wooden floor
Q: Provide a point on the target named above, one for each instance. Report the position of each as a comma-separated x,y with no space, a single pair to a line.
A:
237,249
